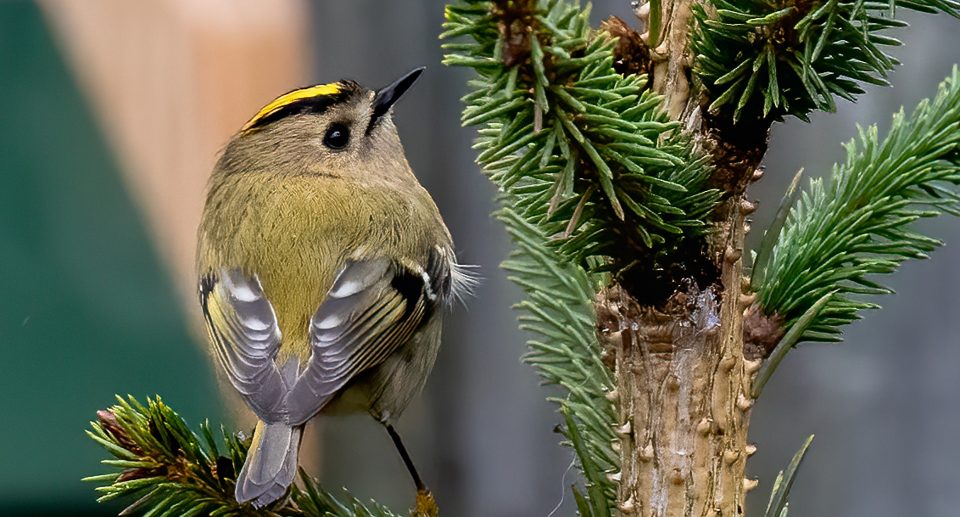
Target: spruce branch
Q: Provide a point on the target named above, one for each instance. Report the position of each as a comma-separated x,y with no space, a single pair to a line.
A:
857,223
765,60
565,352
599,185
595,178
170,470
586,151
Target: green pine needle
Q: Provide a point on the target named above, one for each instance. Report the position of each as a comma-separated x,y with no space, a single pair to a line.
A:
778,505
168,470
858,222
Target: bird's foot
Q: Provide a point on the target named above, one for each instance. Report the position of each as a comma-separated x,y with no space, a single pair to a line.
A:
426,504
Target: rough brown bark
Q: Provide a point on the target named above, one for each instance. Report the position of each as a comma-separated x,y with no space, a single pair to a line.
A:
683,380
683,385
684,390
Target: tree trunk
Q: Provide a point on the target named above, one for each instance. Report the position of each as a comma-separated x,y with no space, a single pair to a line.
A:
684,389
683,378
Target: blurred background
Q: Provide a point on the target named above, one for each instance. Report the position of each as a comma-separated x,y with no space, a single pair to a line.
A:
112,114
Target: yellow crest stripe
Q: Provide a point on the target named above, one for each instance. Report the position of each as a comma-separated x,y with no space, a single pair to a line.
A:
320,90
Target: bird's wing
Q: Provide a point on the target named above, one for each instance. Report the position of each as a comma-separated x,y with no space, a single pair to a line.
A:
373,308
245,335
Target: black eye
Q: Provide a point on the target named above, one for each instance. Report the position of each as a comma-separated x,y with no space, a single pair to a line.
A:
337,136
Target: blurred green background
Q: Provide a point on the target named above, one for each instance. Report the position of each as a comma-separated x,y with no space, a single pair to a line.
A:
94,302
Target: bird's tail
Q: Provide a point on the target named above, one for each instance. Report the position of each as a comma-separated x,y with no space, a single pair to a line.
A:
271,463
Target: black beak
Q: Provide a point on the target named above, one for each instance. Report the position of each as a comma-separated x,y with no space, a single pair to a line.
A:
390,94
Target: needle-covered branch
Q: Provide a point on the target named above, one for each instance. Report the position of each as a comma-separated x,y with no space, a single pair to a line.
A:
605,191
563,349
586,152
168,470
764,60
858,222
596,178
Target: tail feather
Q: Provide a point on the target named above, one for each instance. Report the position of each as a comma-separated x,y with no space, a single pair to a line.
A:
271,464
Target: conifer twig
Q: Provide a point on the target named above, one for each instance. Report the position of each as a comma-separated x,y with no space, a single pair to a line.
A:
858,222
168,470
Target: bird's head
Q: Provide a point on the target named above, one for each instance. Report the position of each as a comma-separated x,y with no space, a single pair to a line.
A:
338,129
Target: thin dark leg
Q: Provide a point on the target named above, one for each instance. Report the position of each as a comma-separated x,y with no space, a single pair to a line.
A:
406,457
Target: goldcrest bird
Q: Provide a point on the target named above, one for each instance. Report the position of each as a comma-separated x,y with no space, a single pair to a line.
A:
324,268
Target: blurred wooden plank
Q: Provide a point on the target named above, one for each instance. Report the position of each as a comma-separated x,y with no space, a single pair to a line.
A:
170,81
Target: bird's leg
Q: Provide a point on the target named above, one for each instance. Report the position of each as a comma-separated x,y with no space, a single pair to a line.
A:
426,504
406,458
